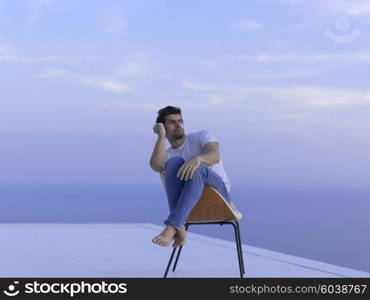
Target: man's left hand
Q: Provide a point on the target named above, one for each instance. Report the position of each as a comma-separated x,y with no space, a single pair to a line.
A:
186,171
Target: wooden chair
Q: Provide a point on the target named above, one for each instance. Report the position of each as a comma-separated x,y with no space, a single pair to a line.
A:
212,208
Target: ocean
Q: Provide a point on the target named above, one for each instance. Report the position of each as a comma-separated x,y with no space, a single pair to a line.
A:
325,223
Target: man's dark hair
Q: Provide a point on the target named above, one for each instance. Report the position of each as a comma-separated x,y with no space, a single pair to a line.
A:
168,110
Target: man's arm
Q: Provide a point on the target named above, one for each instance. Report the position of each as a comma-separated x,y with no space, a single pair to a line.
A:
159,155
210,154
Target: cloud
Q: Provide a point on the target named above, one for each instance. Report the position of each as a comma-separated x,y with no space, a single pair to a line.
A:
335,7
216,98
344,7
155,104
319,58
138,66
247,25
55,73
113,21
292,65
97,82
127,73
8,55
278,74
298,115
105,84
299,96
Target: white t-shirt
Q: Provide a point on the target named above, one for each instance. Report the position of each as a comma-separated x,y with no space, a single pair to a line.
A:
192,146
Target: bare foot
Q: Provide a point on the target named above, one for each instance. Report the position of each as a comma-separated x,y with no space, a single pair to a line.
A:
180,237
165,237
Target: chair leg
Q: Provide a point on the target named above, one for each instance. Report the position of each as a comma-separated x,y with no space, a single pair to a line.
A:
177,258
178,253
238,249
240,245
169,263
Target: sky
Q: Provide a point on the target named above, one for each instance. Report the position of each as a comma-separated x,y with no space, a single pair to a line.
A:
281,84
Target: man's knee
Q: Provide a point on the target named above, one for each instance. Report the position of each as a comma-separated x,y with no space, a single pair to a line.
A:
174,162
201,170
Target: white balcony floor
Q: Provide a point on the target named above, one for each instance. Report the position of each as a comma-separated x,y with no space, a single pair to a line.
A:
126,250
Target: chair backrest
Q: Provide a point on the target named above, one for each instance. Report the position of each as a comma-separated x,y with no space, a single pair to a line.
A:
211,207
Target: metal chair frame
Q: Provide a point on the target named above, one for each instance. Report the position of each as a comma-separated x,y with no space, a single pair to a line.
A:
235,225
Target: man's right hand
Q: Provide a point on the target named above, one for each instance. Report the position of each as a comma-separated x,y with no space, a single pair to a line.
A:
159,129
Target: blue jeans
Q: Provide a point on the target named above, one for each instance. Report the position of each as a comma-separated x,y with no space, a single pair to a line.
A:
182,195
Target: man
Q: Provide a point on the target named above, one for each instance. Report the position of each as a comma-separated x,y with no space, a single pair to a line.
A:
191,162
